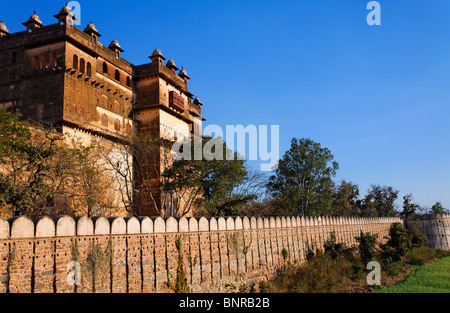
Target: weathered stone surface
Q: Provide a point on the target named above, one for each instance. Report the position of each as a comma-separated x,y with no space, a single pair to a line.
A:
101,226
203,224
230,223
146,225
213,225
85,226
133,225
4,229
44,227
145,252
118,226
238,223
193,224
65,226
159,225
183,225
221,223
21,227
171,225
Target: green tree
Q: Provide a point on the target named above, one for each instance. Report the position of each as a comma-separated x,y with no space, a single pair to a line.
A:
367,246
437,208
409,207
303,178
397,244
345,200
379,202
26,152
208,183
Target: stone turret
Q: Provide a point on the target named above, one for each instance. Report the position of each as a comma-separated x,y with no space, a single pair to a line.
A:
183,74
3,30
157,58
91,30
65,16
114,46
33,22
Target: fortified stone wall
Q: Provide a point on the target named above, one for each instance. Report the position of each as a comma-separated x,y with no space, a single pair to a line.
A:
134,255
435,227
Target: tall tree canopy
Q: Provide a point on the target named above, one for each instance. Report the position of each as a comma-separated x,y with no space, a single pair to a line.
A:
345,200
303,178
210,184
379,201
409,207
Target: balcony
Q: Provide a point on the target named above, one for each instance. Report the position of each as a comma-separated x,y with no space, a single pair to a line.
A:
176,102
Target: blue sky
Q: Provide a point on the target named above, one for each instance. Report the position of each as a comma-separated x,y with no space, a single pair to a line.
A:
376,96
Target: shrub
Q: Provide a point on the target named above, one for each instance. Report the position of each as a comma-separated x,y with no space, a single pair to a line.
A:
366,247
415,238
397,244
416,260
284,254
264,287
333,249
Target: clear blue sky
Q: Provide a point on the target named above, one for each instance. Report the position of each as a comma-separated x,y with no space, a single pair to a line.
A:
376,96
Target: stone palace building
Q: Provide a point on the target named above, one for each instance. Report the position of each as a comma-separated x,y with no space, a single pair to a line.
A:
63,75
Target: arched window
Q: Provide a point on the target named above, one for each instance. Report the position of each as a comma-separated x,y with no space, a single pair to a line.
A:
105,120
104,101
105,68
128,81
117,125
75,62
82,66
88,69
14,57
117,75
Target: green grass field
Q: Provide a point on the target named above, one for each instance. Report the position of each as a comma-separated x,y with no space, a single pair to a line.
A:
431,278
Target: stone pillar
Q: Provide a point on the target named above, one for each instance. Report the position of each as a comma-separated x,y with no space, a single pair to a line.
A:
21,255
44,255
148,255
118,241
216,274
134,255
223,249
194,247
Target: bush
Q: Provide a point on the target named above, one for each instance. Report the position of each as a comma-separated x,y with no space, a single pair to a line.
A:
397,244
415,238
366,247
264,287
416,260
333,249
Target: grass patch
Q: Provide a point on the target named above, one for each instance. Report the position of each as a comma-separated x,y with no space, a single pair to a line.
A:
431,278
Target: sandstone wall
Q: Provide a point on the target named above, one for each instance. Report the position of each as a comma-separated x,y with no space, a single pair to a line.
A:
435,227
142,255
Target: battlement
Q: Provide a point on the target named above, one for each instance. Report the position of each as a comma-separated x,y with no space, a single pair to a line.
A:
436,227
63,226
134,255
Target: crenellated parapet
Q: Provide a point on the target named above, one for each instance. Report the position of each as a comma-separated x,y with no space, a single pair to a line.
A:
66,226
120,255
436,227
